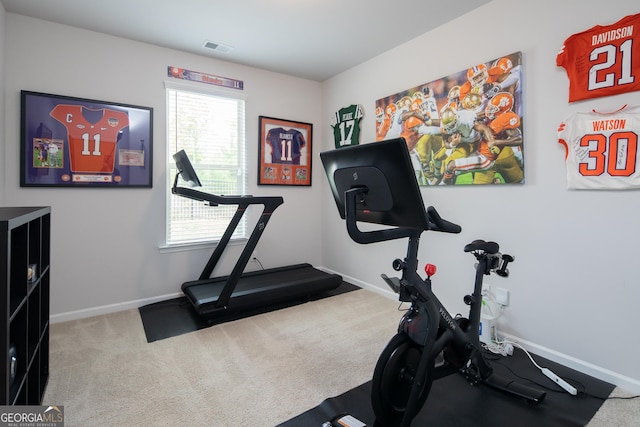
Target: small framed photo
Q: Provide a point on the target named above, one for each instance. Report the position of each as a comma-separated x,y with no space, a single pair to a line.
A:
285,152
77,142
32,273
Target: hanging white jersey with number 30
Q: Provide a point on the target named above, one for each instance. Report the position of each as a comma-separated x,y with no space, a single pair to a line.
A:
602,149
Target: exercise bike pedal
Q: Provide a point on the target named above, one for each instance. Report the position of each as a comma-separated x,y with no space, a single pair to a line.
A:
532,395
396,286
392,282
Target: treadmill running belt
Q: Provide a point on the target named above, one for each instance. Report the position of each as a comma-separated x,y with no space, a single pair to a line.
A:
258,288
170,318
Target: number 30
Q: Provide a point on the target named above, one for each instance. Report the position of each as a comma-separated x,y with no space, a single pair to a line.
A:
618,159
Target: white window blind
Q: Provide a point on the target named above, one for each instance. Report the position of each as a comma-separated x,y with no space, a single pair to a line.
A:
210,128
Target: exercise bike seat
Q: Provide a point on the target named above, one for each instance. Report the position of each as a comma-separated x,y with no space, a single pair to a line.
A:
481,245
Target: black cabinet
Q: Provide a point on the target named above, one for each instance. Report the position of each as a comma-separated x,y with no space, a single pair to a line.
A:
24,304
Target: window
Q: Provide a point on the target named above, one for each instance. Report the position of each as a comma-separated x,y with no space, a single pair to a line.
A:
209,126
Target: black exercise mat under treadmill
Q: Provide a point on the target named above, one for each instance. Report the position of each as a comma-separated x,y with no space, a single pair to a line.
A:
453,402
166,319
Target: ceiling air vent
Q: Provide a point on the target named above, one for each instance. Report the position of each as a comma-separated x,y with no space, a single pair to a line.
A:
218,47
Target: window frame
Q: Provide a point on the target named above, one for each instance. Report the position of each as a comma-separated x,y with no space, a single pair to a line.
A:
207,90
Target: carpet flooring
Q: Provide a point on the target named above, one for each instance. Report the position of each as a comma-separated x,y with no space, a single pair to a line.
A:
263,370
166,319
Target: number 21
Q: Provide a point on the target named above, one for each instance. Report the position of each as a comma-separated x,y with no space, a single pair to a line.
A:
611,53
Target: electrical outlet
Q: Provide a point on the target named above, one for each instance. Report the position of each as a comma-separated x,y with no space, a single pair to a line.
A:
486,289
502,296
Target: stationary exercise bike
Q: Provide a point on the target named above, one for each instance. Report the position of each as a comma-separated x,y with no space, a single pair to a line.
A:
431,343
375,183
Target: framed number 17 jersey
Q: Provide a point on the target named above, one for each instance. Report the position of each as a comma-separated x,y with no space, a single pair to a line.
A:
603,60
346,125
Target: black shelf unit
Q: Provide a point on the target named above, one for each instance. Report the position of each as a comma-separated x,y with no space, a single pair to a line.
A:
24,304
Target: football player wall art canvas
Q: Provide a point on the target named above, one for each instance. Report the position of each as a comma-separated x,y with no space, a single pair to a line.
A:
462,129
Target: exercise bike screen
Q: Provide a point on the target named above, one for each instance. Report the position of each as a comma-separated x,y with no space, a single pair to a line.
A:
384,171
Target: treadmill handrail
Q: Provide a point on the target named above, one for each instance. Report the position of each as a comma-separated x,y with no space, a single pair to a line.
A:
214,199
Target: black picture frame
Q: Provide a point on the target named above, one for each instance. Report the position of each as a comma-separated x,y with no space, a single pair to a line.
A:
77,142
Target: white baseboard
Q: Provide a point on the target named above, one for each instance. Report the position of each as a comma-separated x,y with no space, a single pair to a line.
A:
128,305
111,308
629,384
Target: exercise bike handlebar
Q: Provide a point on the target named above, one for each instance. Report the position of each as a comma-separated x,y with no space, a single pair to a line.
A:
435,223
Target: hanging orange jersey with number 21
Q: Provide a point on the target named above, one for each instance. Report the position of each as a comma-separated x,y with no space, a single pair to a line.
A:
603,60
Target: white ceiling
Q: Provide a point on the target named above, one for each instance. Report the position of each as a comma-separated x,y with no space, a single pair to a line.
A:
311,39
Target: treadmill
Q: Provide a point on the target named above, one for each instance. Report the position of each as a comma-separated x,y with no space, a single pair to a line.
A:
241,292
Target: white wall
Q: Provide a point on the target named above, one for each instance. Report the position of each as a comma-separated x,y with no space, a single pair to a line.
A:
105,241
574,285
